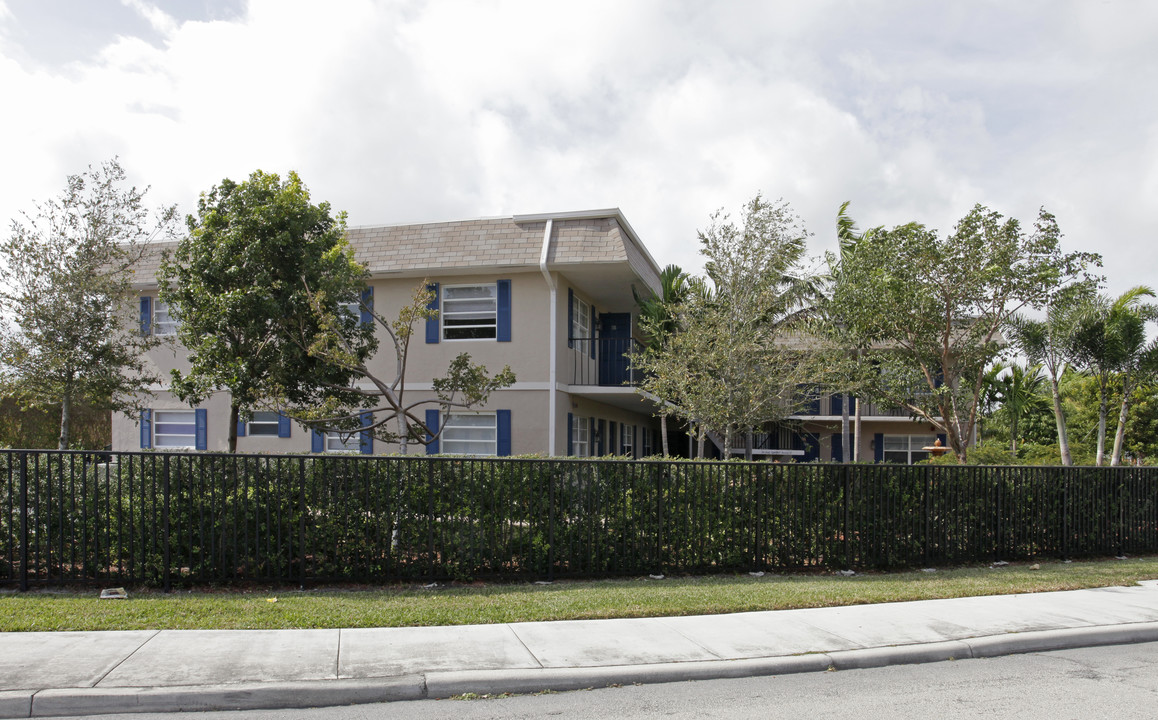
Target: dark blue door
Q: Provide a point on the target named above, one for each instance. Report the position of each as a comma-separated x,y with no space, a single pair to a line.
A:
614,344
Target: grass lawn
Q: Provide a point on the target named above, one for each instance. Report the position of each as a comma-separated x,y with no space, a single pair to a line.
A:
563,600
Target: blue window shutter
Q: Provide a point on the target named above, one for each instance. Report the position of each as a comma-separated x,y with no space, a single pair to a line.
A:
570,317
283,426
146,314
503,422
317,441
612,438
879,447
503,331
852,404
944,439
146,429
201,418
836,405
634,441
602,436
432,423
837,447
570,438
432,324
368,302
367,440
592,448
240,427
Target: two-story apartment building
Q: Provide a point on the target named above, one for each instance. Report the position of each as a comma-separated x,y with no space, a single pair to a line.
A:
549,295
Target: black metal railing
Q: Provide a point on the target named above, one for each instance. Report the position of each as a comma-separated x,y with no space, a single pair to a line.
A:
605,362
180,519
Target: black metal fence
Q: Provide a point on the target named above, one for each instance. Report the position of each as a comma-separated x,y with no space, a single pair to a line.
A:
167,519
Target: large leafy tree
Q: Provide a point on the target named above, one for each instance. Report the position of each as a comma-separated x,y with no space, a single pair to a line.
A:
65,287
730,366
244,285
939,305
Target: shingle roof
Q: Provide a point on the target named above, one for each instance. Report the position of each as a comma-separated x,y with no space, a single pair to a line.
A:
478,244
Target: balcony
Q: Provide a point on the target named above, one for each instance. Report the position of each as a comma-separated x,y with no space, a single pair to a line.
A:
830,406
604,362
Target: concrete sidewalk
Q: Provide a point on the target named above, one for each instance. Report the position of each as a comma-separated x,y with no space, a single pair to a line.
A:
77,673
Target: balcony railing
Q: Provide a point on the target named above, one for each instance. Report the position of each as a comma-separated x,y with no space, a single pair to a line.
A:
831,405
604,361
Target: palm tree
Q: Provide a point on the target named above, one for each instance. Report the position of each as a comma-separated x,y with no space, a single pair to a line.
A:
1050,343
1137,360
659,318
1109,337
848,338
1019,389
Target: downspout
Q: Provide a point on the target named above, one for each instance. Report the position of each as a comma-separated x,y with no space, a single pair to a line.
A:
553,367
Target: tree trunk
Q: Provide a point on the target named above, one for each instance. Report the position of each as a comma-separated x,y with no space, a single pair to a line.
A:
1103,409
856,433
65,420
663,434
845,446
234,416
1063,439
748,450
403,435
1120,435
1013,434
728,443
701,442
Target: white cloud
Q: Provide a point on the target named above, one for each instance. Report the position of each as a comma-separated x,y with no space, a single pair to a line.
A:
416,110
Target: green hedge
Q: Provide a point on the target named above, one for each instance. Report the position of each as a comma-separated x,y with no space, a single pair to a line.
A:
168,519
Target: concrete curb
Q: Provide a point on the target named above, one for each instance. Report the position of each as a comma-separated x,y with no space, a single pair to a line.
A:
318,693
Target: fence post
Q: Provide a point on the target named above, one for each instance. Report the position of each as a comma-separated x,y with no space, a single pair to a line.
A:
24,522
302,521
659,521
926,518
551,521
844,533
165,531
1065,518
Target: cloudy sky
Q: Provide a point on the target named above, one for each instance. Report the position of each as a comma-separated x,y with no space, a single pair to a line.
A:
417,110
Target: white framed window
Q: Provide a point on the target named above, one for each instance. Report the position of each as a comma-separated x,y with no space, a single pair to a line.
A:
164,323
264,423
580,429
470,434
343,442
627,440
174,429
906,449
581,325
470,312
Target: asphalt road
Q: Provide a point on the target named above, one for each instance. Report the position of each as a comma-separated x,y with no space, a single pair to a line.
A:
1105,682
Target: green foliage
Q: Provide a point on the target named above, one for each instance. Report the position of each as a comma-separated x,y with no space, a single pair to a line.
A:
259,258
205,518
936,307
726,366
69,336
91,428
